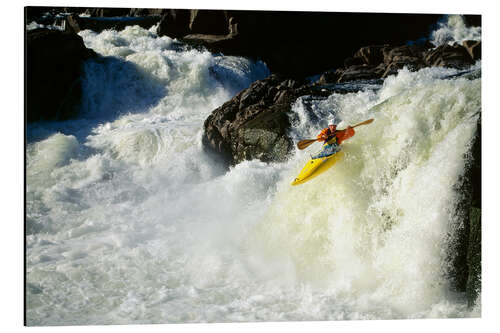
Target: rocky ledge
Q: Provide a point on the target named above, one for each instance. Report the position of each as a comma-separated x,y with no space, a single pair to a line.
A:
380,61
255,122
53,69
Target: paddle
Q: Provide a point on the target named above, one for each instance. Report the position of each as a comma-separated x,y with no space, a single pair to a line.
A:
302,144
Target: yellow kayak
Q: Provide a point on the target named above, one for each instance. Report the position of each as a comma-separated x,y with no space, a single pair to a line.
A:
317,166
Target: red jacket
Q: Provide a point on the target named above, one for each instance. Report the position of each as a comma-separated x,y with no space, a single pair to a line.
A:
340,134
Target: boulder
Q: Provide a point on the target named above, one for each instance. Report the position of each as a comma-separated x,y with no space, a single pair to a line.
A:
108,12
473,283
371,55
174,23
147,11
360,72
354,61
409,56
474,48
76,23
296,44
330,77
53,68
455,56
209,22
464,248
254,124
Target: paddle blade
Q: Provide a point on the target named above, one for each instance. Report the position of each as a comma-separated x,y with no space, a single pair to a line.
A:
302,144
366,122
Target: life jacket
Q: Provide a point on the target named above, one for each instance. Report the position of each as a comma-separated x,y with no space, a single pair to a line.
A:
330,135
337,136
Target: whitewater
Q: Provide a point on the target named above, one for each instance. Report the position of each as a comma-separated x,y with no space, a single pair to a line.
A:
129,220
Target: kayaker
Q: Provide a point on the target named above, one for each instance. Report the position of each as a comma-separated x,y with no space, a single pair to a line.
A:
333,138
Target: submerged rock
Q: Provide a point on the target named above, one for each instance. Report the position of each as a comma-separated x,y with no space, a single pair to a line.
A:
53,68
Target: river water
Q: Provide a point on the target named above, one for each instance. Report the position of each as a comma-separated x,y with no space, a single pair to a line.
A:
129,220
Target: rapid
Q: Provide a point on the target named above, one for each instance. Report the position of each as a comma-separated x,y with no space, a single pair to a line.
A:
130,221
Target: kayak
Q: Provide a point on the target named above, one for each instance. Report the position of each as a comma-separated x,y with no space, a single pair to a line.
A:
317,166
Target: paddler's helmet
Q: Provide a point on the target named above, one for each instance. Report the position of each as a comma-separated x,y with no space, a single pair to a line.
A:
332,128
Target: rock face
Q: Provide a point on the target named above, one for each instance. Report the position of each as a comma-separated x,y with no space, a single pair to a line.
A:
107,12
75,23
473,255
53,69
474,48
464,248
380,61
295,44
254,123
174,23
449,56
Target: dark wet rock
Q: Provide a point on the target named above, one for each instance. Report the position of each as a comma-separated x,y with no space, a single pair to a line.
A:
473,284
209,22
474,48
108,12
254,124
409,56
380,61
53,68
76,23
360,72
473,20
329,77
455,56
174,23
147,11
296,44
377,61
371,55
464,248
36,14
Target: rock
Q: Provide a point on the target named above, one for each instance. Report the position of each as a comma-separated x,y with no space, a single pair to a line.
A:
455,56
37,13
409,56
108,12
147,11
254,124
464,248
473,284
474,48
53,69
474,276
354,61
376,62
174,23
209,22
330,77
75,23
472,20
371,55
360,72
296,44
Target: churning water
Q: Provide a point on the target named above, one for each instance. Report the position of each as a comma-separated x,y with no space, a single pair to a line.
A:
130,221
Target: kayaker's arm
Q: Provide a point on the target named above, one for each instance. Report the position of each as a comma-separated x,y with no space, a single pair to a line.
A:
343,135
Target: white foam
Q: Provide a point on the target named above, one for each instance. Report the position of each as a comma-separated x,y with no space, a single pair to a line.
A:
452,29
129,221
